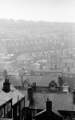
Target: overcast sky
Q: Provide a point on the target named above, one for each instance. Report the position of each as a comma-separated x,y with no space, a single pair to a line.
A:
38,10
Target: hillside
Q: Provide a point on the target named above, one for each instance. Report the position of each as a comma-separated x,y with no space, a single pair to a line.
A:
26,42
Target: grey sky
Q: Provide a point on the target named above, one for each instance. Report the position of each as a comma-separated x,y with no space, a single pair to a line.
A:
46,10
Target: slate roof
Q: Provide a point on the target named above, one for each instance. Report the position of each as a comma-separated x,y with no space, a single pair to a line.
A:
60,101
47,115
4,98
67,113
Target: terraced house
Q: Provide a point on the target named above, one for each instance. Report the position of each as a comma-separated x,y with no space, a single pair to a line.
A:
12,102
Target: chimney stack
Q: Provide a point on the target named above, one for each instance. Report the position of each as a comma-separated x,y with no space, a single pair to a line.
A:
48,105
30,96
74,97
34,86
6,85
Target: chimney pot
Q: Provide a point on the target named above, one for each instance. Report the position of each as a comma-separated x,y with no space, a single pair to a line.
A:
49,105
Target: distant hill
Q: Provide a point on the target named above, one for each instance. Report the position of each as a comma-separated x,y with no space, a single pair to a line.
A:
24,37
32,36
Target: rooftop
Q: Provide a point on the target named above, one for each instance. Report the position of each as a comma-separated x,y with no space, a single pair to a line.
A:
14,94
60,101
47,115
4,97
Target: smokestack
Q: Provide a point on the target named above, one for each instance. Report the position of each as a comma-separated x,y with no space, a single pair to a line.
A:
48,105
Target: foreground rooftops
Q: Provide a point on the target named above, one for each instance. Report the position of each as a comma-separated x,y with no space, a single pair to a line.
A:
13,94
4,98
47,115
61,101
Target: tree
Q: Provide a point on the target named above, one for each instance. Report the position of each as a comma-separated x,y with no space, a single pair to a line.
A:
60,80
26,83
53,86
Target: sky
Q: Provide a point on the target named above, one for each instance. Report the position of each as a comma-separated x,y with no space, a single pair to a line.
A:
38,10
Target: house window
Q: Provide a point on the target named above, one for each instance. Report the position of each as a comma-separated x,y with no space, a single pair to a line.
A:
2,112
17,110
9,107
22,104
6,111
